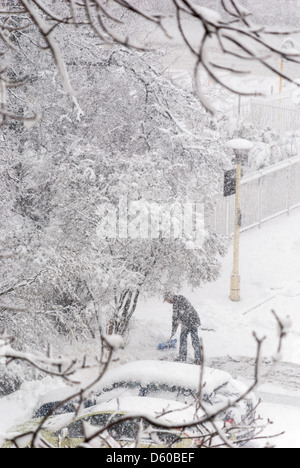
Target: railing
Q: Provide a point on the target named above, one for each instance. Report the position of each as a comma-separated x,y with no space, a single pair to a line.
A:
278,115
264,195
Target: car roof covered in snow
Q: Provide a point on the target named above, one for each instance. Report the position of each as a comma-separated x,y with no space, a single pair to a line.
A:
171,374
163,373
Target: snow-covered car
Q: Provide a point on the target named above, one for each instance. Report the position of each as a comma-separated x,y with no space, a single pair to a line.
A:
120,422
180,382
163,391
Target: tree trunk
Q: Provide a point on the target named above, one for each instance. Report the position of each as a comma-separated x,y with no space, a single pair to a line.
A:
125,309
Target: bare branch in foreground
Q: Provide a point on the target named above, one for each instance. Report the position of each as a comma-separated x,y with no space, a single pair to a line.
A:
236,36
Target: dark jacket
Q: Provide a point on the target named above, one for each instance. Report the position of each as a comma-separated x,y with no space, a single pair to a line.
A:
185,314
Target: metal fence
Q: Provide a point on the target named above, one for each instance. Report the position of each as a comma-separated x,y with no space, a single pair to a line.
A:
278,115
264,195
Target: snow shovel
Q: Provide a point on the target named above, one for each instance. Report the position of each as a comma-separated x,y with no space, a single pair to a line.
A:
170,344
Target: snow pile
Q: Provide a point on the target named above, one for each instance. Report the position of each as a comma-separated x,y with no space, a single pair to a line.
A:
114,341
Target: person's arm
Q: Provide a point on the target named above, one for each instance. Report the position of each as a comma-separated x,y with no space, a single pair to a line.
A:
175,321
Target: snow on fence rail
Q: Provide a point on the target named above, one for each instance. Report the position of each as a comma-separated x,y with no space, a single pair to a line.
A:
266,194
278,116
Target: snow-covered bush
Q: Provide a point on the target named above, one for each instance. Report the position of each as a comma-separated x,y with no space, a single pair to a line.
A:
269,147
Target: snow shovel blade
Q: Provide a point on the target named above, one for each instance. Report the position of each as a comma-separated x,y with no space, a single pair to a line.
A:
167,344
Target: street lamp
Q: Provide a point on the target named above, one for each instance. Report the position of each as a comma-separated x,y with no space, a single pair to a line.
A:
240,148
287,45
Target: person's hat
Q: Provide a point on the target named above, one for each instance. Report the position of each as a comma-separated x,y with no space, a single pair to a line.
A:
168,296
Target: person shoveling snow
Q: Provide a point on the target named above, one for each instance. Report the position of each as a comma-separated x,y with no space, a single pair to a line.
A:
185,315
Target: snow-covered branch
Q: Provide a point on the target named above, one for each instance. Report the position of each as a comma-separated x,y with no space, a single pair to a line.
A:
230,27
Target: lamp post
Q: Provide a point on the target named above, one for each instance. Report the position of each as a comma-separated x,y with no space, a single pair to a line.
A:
240,148
287,45
280,78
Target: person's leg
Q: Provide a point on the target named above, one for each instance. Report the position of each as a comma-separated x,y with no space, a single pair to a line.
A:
183,344
196,345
